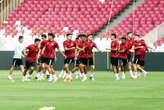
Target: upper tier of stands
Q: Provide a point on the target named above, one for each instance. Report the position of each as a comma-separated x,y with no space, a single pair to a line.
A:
142,20
53,15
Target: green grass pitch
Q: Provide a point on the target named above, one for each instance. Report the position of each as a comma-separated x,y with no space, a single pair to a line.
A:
102,94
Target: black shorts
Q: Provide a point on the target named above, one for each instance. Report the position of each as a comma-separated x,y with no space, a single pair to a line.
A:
142,63
114,61
68,60
90,61
129,57
124,61
30,64
76,63
42,60
17,62
49,61
137,59
84,61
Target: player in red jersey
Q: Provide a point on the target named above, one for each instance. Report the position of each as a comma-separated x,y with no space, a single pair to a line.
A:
123,50
114,55
50,53
31,58
69,47
91,45
142,60
82,46
42,59
77,59
137,46
130,42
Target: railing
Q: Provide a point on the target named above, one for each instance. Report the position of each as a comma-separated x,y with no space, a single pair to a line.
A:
7,7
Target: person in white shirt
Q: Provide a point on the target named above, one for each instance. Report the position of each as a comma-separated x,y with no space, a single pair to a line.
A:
17,58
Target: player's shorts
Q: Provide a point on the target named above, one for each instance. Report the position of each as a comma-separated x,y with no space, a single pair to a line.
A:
17,62
124,61
114,61
84,61
90,61
28,65
142,63
42,60
68,60
129,57
49,61
76,62
137,59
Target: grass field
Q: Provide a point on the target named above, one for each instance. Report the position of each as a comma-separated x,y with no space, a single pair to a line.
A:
102,94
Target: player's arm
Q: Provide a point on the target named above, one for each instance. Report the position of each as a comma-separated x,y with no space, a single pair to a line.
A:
43,50
66,49
97,48
25,51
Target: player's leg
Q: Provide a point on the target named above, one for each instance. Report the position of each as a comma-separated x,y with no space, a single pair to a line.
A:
84,75
123,65
13,67
90,61
38,75
135,63
114,62
142,70
55,78
22,70
76,69
130,65
62,73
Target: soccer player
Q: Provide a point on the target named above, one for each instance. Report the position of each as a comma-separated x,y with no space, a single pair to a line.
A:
91,45
17,58
123,47
77,59
42,59
50,51
82,46
114,55
31,58
69,47
137,46
130,42
142,59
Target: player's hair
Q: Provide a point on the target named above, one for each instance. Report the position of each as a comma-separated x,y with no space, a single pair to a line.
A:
20,37
68,34
77,38
90,35
137,35
129,33
37,40
82,35
51,34
123,38
44,35
142,40
114,35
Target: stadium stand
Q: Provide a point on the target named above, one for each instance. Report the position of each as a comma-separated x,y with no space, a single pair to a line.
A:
142,20
52,15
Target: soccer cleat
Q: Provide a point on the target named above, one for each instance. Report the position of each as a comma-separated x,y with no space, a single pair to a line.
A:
10,77
139,76
70,79
123,76
55,80
66,79
117,79
91,78
84,79
50,80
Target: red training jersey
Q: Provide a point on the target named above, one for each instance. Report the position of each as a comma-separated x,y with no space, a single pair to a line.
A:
130,45
138,44
69,44
143,51
50,49
91,45
32,53
123,47
82,45
42,45
114,44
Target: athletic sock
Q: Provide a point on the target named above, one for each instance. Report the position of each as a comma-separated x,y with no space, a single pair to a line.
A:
116,75
123,73
144,71
38,74
47,73
92,74
50,76
54,76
